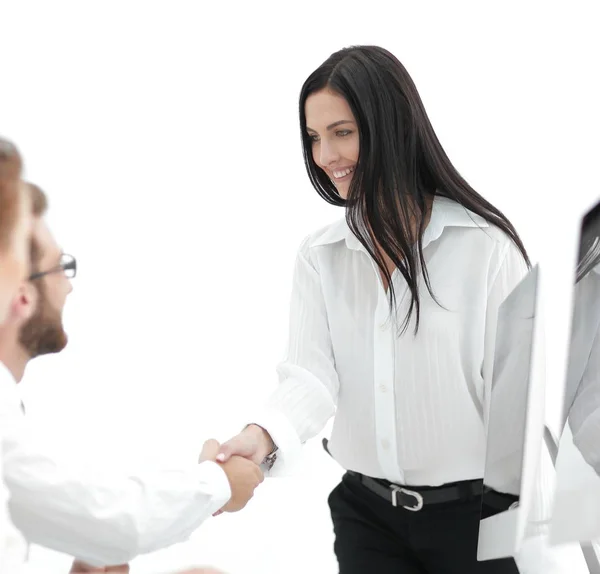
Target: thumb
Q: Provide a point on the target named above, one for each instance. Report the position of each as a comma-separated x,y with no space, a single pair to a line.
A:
235,446
209,450
226,451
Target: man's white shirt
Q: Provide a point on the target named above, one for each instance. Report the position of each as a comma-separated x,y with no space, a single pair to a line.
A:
94,514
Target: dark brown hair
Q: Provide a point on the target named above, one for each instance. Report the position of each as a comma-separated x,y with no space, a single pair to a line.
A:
11,167
401,164
39,206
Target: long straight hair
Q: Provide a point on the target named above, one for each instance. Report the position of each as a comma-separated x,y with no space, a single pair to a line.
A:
401,164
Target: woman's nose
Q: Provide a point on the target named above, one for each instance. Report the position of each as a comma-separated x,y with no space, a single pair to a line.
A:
329,154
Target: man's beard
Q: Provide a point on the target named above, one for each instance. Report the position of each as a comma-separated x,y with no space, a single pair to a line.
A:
43,334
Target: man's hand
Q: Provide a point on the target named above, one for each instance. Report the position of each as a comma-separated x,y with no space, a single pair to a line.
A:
253,443
79,567
83,568
244,477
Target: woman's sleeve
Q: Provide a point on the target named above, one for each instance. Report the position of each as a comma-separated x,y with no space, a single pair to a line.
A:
306,396
506,275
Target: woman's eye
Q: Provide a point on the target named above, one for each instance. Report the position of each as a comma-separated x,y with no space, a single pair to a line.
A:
313,137
343,133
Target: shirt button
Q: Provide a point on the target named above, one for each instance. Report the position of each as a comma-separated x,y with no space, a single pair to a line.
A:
385,444
383,388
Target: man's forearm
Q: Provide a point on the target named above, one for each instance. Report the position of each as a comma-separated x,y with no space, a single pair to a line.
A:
101,516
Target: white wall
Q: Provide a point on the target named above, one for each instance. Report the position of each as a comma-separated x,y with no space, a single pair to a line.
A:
166,136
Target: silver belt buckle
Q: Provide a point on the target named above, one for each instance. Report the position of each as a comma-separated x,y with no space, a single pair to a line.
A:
397,489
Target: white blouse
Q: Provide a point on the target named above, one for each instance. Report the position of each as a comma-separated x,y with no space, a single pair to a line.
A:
410,409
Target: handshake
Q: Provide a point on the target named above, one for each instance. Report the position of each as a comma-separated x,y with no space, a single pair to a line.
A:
240,458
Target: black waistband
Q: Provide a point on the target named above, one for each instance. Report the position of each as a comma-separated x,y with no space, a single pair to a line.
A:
415,498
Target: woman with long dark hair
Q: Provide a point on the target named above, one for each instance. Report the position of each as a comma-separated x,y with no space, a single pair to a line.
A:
392,328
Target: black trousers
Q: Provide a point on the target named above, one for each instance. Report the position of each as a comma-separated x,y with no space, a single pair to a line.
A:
371,536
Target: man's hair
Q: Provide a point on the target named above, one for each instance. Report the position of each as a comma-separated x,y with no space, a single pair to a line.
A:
39,200
11,166
39,206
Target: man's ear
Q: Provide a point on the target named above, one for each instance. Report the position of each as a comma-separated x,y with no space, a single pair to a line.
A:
25,303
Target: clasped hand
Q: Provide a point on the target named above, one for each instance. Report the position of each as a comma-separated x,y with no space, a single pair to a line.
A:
244,476
239,458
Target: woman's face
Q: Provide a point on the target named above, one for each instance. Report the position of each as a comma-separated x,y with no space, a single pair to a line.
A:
332,128
14,260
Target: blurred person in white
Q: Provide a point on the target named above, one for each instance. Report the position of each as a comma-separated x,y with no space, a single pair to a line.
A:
97,515
581,406
15,233
584,409
582,395
392,330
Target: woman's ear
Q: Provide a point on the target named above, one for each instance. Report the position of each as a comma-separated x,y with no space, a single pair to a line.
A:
26,302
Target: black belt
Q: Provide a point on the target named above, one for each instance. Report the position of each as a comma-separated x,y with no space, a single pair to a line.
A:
415,499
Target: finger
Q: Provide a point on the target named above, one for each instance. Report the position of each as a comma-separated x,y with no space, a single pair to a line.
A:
209,450
120,569
258,474
218,512
228,449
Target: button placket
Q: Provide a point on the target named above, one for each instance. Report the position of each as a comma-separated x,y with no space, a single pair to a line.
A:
384,344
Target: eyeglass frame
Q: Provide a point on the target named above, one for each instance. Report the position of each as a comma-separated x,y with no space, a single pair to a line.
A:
70,265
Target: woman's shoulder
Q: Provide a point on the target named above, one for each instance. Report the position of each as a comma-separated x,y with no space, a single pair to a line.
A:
449,214
497,237
477,236
326,235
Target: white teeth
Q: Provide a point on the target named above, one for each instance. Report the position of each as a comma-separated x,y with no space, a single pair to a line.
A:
345,172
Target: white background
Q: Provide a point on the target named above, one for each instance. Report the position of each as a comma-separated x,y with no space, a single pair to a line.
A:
166,135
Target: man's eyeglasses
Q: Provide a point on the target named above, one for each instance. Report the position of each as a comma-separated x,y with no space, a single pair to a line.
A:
68,265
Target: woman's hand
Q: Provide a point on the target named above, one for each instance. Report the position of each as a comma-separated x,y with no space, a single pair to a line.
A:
253,443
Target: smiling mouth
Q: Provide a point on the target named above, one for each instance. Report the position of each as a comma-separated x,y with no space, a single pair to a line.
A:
342,173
